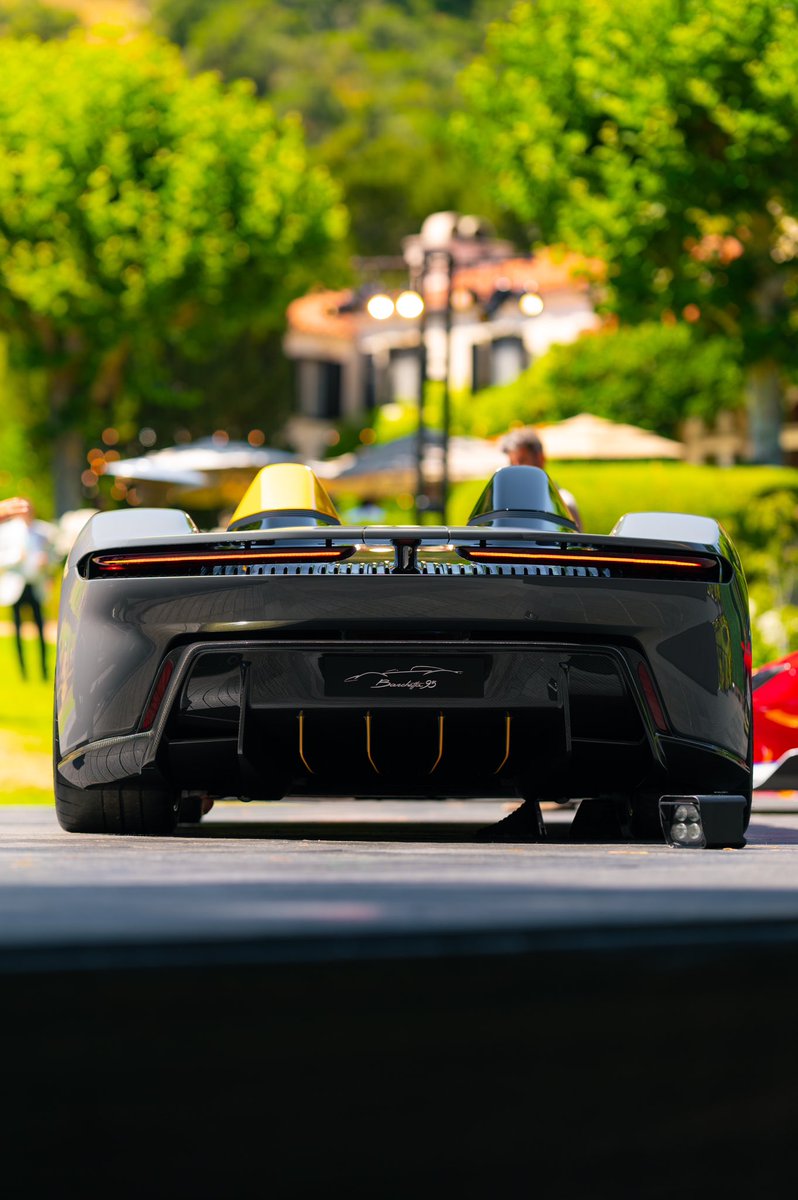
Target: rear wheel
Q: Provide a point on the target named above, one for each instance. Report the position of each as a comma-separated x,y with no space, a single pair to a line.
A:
618,818
645,823
124,810
602,819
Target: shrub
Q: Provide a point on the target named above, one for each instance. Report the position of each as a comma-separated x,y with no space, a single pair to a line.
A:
652,375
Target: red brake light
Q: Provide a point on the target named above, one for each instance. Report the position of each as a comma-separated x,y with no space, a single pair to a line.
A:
652,699
182,563
158,693
591,559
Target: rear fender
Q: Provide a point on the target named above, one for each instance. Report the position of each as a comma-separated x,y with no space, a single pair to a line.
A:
683,527
670,527
111,529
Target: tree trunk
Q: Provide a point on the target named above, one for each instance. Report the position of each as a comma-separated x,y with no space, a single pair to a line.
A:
764,397
68,463
68,447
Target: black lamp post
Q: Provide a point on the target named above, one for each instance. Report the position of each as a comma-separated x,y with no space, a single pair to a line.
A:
435,286
447,240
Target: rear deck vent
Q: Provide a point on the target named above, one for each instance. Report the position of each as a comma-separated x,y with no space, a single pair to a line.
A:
384,568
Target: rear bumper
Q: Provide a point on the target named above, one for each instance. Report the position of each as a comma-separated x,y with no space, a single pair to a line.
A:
263,719
115,634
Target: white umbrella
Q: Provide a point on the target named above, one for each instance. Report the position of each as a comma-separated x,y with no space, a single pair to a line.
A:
188,465
589,437
208,473
147,469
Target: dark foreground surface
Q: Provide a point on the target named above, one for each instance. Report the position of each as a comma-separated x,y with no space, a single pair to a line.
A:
321,881
494,1021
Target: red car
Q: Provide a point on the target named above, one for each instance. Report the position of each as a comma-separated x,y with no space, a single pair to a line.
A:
775,688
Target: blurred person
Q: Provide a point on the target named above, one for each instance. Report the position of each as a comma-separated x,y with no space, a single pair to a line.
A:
17,506
524,448
26,552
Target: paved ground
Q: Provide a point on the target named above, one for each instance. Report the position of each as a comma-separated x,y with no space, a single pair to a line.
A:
356,998
332,874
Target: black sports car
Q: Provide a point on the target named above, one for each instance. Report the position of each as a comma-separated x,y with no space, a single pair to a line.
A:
509,657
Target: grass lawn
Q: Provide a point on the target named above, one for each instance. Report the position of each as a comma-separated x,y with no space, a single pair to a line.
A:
26,727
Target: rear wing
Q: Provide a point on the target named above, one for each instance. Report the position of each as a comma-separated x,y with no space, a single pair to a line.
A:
173,548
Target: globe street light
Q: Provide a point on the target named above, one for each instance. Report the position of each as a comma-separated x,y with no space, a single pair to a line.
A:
409,305
448,244
531,304
380,307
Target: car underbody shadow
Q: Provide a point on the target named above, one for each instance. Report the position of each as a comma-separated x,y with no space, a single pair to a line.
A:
602,821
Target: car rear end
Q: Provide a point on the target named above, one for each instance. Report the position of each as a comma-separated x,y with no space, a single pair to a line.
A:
406,662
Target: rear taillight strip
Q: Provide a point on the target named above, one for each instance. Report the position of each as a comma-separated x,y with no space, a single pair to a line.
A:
123,564
596,560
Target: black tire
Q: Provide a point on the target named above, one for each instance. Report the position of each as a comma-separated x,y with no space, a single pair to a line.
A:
645,824
125,810
602,819
140,811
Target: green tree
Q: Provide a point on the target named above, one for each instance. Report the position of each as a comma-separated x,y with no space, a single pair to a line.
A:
374,82
143,213
653,375
660,135
21,401
23,17
767,534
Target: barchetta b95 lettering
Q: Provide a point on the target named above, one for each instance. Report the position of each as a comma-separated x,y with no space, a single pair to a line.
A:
512,656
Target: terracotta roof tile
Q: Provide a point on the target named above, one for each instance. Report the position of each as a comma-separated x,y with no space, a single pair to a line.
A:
549,271
318,313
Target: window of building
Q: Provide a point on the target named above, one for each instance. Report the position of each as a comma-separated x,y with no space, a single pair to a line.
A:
405,370
508,359
480,365
320,389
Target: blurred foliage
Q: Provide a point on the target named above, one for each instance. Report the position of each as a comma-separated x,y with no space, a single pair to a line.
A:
767,533
22,402
653,375
397,419
374,82
660,136
21,18
605,491
146,218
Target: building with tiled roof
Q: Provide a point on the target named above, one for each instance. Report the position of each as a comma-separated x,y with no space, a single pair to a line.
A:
487,313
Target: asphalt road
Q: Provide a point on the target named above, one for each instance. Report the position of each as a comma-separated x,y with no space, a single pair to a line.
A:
360,1000
330,879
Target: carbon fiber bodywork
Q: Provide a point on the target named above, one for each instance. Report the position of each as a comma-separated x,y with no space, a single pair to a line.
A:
408,662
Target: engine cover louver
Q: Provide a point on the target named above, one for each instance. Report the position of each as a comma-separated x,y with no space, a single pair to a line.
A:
384,568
